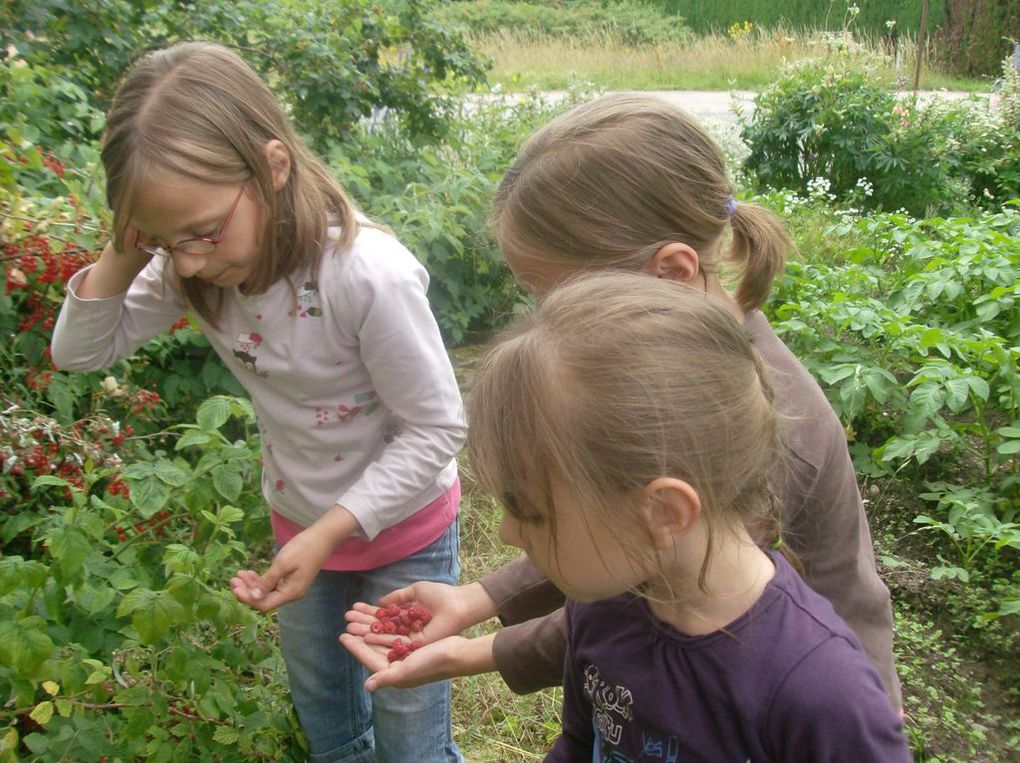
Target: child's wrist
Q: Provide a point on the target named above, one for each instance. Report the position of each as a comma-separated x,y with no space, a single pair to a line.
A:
477,605
336,525
477,657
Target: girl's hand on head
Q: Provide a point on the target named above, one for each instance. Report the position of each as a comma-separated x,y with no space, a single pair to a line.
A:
113,272
447,658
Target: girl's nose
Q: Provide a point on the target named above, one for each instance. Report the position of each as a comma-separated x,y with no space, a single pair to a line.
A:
188,265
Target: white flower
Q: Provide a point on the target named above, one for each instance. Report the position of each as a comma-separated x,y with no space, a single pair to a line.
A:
112,387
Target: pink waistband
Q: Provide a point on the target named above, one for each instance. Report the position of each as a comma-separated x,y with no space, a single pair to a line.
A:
393,543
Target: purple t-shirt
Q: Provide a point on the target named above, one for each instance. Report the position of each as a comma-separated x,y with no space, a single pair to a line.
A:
786,681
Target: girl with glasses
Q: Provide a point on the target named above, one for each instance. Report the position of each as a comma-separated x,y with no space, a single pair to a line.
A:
221,211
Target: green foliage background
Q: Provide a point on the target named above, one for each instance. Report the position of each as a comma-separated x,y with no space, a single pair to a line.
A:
128,496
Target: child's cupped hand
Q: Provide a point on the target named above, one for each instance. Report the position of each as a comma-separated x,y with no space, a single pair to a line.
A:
432,662
288,577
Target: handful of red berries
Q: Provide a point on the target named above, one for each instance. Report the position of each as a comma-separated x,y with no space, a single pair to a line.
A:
402,620
401,649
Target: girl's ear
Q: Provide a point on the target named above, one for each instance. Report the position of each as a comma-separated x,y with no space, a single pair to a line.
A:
674,262
672,508
279,162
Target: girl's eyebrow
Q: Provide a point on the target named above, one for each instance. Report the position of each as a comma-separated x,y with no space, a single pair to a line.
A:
202,225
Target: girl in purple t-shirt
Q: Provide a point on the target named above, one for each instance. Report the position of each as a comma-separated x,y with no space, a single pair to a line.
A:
628,428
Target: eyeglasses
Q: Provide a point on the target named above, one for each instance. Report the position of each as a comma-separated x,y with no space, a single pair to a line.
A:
202,246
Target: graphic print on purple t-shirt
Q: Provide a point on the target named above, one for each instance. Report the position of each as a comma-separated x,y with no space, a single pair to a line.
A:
787,680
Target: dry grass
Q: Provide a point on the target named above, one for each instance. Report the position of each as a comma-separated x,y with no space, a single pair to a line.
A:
714,62
490,723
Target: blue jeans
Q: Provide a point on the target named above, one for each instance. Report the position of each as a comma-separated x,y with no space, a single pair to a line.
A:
343,722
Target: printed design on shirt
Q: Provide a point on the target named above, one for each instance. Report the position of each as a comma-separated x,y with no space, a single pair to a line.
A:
246,346
606,754
612,706
393,429
364,404
612,711
308,302
655,747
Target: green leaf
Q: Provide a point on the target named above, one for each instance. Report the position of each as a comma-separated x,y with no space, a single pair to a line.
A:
927,399
47,480
213,413
957,394
226,735
172,474
195,437
101,599
8,743
899,448
24,644
180,558
70,547
153,622
979,387
149,495
140,598
18,524
227,481
16,573
42,713
123,579
229,514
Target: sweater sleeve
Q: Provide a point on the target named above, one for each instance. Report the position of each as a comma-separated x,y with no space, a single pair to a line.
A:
529,656
386,306
521,592
94,333
529,651
831,708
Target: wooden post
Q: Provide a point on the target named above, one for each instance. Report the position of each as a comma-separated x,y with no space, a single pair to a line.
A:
920,42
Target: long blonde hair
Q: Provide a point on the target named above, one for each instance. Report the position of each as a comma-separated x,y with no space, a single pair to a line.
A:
609,183
617,379
197,109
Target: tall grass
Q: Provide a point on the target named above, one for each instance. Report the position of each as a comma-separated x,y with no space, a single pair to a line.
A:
744,59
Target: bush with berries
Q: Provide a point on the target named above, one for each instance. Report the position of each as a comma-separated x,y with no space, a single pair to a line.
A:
126,497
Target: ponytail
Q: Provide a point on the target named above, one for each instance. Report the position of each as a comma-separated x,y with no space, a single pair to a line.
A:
760,245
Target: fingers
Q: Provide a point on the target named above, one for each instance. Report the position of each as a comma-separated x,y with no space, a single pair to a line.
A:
400,596
374,659
263,593
361,612
245,586
402,674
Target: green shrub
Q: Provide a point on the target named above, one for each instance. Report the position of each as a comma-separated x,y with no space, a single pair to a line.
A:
436,199
831,121
914,333
119,636
332,63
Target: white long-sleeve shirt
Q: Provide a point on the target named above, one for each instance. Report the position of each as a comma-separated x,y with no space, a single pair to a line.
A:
356,398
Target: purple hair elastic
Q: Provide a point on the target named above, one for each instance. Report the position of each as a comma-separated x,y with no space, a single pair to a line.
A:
731,207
